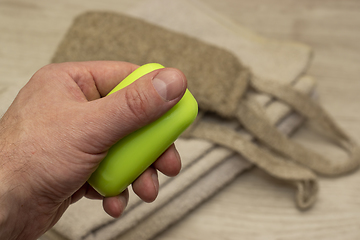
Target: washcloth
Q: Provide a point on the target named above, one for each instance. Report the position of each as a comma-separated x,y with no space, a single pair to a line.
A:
208,167
201,177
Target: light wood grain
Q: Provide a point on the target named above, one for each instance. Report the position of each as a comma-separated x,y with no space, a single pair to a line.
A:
255,206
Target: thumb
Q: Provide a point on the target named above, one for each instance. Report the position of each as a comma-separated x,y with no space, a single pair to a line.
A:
136,105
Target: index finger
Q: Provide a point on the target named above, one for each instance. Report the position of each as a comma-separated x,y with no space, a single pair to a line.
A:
98,77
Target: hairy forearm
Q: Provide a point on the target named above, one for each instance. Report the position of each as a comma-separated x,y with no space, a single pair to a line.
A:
11,224
17,210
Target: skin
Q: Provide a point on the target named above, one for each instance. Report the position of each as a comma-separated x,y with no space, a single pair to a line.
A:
58,130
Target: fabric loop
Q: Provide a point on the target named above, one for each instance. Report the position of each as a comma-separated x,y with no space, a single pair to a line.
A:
278,167
302,104
269,135
304,198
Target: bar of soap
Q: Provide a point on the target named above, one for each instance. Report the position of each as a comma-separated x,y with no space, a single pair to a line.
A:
133,154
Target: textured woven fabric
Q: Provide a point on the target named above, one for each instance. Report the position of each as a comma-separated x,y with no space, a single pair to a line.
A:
139,42
201,160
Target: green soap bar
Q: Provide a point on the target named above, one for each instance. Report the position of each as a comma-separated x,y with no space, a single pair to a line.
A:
133,154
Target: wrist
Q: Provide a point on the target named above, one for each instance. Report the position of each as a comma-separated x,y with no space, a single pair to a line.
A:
9,211
24,213
15,207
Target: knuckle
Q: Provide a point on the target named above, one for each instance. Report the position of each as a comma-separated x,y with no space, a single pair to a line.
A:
137,104
48,68
45,73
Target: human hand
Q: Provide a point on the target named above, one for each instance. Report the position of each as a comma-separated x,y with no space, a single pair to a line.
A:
58,130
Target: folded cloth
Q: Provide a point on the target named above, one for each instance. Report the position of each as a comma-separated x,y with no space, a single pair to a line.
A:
201,177
229,94
201,160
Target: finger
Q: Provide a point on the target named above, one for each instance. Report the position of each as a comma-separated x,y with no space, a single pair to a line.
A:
146,186
85,191
169,163
104,74
78,194
115,206
94,78
135,106
91,193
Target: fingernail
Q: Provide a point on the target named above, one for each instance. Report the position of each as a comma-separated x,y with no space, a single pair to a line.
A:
177,154
155,181
123,201
169,84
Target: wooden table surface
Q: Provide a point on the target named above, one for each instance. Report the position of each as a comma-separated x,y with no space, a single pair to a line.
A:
254,206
